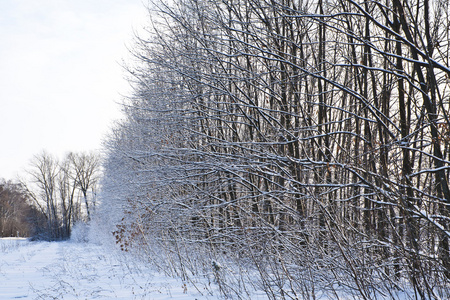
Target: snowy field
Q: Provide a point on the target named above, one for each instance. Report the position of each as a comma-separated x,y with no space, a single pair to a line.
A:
71,270
76,270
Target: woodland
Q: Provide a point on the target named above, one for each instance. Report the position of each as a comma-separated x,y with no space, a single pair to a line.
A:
306,141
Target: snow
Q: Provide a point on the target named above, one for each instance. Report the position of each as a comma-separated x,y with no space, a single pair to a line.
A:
86,270
73,270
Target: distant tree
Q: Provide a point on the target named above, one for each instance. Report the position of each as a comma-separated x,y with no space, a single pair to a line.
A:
86,172
43,173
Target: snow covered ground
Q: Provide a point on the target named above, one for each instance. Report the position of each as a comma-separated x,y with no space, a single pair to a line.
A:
77,270
71,270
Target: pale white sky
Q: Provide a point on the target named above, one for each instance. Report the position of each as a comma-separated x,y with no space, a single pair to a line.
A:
60,74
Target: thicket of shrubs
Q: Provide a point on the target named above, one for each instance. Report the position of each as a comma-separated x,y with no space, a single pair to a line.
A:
306,140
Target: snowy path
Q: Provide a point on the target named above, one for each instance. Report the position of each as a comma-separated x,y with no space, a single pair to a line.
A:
68,270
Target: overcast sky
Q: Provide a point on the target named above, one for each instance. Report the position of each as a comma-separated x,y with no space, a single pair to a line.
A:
60,74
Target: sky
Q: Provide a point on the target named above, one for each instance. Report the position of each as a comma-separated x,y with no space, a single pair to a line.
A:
61,75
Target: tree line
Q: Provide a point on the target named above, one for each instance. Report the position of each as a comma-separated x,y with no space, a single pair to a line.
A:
310,139
54,196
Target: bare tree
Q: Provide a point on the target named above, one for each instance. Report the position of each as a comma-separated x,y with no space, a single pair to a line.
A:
43,172
86,167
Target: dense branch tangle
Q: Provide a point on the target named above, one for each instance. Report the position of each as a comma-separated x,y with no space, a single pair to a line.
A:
319,125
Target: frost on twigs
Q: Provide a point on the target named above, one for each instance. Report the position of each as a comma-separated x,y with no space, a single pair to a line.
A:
307,143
